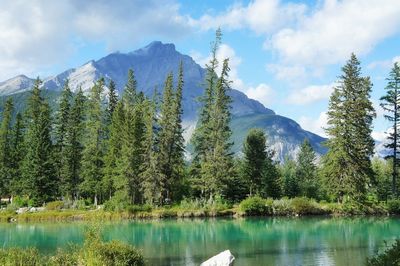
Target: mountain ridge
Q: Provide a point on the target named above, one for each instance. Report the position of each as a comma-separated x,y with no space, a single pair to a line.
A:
151,64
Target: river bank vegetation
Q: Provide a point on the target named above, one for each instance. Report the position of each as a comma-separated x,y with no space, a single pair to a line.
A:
109,156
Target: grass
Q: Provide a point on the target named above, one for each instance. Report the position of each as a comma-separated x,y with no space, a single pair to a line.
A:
202,208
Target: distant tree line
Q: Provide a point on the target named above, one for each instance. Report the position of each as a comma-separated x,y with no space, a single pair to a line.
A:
129,149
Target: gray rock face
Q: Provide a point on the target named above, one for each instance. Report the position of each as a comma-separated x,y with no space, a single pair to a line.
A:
224,258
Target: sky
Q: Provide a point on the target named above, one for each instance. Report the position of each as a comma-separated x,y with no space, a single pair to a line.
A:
285,54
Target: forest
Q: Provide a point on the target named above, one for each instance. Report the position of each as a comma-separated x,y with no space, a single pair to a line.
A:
128,150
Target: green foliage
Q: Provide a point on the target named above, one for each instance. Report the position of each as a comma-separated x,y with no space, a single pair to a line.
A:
306,171
347,165
256,206
55,205
393,206
390,257
304,206
21,257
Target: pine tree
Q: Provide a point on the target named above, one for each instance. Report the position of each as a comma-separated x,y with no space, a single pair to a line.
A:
112,101
18,154
6,169
60,134
38,172
271,178
347,165
255,156
217,166
92,158
114,145
71,169
202,133
291,187
151,176
390,103
306,170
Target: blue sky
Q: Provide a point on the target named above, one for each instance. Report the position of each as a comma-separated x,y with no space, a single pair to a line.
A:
286,54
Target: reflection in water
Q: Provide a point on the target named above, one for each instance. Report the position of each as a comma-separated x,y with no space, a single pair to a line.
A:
253,241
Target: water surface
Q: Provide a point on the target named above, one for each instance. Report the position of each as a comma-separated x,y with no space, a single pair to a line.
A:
253,241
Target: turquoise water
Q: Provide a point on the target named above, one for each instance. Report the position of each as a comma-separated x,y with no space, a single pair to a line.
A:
253,241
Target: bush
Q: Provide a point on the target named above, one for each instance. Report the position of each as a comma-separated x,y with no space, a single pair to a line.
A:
54,205
282,207
19,202
304,206
139,208
256,206
117,253
388,258
393,206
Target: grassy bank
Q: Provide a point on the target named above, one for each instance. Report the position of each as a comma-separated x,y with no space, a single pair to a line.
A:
253,206
93,252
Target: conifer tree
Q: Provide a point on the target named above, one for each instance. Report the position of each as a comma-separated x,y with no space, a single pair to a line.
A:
151,176
6,163
112,101
92,157
271,178
38,172
291,186
18,154
390,103
306,170
71,169
60,133
255,155
347,165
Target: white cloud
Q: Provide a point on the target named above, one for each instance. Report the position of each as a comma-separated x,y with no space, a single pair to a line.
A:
311,94
261,16
385,64
315,125
263,93
36,34
332,32
379,135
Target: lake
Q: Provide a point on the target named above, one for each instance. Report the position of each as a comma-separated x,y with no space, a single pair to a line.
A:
253,241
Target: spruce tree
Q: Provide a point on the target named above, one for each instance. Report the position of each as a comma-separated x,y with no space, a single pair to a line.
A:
291,186
271,178
18,154
60,134
306,170
92,157
38,171
255,156
347,165
71,169
112,101
390,103
6,152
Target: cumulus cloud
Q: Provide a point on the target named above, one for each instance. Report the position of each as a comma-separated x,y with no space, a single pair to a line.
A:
306,38
263,93
315,125
311,94
385,64
36,34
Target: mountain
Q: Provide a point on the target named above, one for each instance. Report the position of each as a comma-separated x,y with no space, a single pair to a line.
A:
151,65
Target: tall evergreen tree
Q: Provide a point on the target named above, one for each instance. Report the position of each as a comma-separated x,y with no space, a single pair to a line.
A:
390,103
71,169
347,165
255,155
92,157
6,169
306,170
112,101
60,133
291,186
38,172
18,154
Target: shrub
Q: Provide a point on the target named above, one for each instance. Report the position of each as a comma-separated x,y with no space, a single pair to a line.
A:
54,205
139,208
393,206
282,207
303,206
115,204
119,254
389,257
256,206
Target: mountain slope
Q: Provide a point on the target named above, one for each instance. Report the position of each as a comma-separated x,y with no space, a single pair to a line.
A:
151,65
